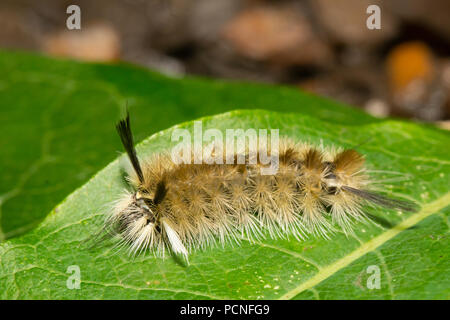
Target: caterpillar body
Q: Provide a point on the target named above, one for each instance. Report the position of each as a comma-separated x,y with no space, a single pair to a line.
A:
182,207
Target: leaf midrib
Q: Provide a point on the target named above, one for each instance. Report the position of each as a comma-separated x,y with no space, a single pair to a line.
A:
327,271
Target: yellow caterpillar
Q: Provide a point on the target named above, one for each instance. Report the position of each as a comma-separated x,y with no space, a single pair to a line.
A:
181,207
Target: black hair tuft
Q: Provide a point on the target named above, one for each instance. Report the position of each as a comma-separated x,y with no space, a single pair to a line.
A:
124,130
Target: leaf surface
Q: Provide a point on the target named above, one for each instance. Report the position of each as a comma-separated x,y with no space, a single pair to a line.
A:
411,256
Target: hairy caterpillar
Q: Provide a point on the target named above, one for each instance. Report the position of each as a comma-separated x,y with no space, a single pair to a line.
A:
180,207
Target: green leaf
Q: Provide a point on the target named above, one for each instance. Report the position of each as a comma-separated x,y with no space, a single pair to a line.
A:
57,122
412,255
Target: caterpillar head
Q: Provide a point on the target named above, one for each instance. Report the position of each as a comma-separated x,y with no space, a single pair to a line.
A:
136,217
139,207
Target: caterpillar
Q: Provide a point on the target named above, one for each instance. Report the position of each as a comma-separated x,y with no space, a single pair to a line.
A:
181,207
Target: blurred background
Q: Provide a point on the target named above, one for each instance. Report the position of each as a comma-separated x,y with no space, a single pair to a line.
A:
320,46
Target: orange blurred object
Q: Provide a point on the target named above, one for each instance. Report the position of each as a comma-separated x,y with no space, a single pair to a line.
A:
278,34
99,42
409,62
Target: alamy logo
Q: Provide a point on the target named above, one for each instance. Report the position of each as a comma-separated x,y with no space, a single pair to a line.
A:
374,20
74,280
73,21
238,147
374,281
